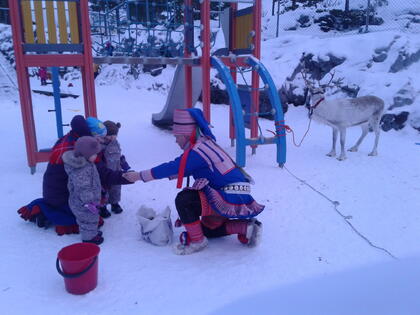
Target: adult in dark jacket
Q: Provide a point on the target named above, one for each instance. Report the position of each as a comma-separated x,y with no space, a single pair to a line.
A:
53,208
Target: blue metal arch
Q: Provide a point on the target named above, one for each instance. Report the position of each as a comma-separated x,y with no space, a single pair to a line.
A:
236,108
280,138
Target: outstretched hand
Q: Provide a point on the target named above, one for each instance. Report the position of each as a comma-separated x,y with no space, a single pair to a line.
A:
132,176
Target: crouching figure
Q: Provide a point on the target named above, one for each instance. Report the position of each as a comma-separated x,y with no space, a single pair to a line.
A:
219,203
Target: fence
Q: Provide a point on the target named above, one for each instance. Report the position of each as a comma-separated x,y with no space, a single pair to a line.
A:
339,17
4,12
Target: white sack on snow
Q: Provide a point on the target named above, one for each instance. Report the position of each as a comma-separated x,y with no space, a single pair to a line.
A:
155,228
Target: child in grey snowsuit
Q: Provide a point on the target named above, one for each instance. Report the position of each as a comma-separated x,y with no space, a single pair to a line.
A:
116,162
84,187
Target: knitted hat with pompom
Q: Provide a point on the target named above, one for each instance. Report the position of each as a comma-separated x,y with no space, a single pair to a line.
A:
112,127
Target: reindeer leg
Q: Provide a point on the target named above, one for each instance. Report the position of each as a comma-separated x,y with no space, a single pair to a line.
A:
365,130
342,156
334,140
375,126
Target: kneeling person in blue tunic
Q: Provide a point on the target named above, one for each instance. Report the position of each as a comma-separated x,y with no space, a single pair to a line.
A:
220,194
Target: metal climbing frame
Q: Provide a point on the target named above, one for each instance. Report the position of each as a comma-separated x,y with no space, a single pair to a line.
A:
279,137
68,43
244,38
236,108
39,41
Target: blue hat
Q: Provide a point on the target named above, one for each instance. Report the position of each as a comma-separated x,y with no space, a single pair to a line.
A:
97,128
203,124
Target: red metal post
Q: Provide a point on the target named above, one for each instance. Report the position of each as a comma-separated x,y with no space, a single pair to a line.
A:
87,68
205,56
65,60
187,68
255,77
42,156
24,86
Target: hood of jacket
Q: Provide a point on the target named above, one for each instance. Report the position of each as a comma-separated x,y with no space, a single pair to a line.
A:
74,161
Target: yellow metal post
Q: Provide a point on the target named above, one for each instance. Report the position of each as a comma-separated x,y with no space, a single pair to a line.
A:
27,22
52,32
74,23
62,23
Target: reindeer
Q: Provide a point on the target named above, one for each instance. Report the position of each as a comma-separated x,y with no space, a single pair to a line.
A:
365,111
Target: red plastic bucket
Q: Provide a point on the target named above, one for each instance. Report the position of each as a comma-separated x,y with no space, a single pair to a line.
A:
79,263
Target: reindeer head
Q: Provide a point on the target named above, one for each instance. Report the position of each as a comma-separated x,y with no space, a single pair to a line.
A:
316,91
318,88
312,89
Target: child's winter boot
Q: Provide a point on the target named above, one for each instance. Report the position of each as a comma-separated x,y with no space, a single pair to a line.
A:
103,212
98,239
116,208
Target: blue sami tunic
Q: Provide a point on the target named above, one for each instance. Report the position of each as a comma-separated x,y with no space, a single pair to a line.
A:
208,161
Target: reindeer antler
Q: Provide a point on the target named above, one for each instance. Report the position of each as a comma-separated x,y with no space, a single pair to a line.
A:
332,77
304,73
335,83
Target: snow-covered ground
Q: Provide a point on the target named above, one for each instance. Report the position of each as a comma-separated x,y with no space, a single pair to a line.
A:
304,237
311,260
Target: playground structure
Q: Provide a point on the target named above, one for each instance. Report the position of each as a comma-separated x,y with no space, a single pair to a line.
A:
36,45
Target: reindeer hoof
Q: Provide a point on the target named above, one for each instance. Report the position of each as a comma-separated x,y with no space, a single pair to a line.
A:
353,149
341,158
373,154
331,154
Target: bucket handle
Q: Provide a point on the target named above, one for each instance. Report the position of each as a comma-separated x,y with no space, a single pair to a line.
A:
74,275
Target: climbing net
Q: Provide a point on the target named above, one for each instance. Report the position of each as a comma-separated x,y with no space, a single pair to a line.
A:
142,27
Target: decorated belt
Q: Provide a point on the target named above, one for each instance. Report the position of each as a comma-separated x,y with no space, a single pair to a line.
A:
237,188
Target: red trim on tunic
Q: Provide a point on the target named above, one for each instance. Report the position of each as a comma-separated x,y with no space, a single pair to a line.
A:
209,218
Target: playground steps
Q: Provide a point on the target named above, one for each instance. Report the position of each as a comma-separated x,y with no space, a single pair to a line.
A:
50,93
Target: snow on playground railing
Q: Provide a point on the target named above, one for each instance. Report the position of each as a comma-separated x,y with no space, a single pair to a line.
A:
328,18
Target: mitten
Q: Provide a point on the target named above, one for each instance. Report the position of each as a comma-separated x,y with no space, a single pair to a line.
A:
124,165
92,207
29,213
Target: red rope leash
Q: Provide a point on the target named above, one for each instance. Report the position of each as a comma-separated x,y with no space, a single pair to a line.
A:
290,130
